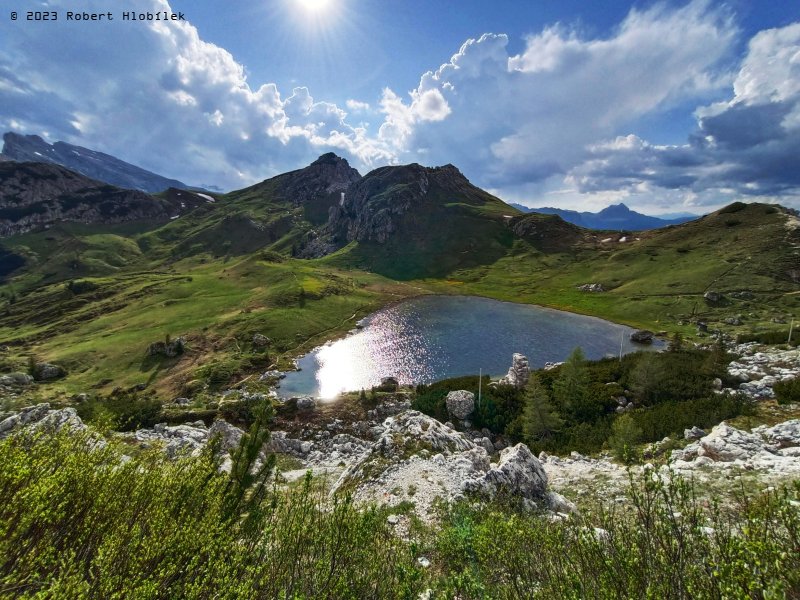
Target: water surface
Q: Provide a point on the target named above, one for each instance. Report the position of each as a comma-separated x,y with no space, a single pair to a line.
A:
435,337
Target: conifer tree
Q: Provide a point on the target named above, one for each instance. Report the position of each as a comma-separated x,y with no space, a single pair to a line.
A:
571,389
539,419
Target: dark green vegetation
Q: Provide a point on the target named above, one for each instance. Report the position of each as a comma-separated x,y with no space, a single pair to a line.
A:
669,545
92,296
574,406
77,522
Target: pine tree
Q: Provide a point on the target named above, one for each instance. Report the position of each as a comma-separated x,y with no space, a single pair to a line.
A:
571,389
539,419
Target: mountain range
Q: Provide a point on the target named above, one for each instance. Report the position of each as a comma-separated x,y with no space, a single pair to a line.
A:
92,164
299,256
616,217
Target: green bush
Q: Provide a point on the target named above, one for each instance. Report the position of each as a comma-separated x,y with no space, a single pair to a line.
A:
771,336
219,372
76,522
625,434
123,410
669,545
787,392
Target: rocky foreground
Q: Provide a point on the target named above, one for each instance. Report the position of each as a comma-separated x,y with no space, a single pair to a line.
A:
410,459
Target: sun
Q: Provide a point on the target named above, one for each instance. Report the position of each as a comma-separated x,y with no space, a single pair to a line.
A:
314,6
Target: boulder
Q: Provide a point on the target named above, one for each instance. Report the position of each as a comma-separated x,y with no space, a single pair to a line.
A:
518,473
642,336
260,341
591,287
460,404
230,436
784,435
305,403
519,372
16,379
41,417
47,371
695,433
713,297
169,349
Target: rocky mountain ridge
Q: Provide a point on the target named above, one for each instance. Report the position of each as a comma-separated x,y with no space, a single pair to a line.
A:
36,195
92,164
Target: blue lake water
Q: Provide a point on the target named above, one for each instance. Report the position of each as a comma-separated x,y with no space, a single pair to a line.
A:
435,337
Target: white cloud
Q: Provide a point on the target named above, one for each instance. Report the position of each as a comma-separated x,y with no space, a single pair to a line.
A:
357,106
513,121
748,146
552,124
159,96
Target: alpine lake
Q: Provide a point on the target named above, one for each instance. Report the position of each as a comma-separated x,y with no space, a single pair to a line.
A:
429,338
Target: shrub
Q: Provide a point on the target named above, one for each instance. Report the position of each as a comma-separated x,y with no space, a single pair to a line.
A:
787,392
72,527
625,434
669,545
121,410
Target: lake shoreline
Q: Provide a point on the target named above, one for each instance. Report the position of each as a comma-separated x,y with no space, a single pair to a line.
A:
456,322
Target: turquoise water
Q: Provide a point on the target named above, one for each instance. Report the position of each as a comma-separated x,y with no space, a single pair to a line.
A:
435,337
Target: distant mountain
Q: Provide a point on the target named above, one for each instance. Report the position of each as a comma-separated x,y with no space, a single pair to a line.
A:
96,165
616,217
35,195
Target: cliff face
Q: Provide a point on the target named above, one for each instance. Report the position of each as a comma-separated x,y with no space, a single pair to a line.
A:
326,177
375,207
93,164
33,195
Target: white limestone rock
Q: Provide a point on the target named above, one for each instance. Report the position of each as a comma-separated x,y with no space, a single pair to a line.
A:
460,404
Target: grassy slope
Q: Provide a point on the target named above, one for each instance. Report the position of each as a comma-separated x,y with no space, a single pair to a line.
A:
444,233
655,278
148,289
103,334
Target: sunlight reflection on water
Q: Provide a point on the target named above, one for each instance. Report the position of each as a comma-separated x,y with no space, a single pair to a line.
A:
434,337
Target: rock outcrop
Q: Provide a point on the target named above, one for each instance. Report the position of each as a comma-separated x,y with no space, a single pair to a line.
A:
169,349
41,418
592,287
460,404
642,336
47,371
518,472
34,195
418,459
759,368
519,373
773,449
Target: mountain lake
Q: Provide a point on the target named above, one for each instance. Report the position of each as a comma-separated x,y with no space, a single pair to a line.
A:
429,338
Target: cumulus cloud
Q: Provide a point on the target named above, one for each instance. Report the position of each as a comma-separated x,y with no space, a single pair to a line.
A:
553,124
525,118
158,95
747,146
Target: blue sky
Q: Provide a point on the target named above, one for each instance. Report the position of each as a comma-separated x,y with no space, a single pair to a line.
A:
666,106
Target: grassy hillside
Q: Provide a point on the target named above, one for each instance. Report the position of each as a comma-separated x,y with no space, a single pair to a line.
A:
100,328
657,278
92,298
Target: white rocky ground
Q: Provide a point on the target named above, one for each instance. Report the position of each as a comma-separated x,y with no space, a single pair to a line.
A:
400,456
759,367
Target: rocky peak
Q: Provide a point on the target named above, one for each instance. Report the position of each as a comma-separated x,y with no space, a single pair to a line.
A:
36,195
374,205
323,180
